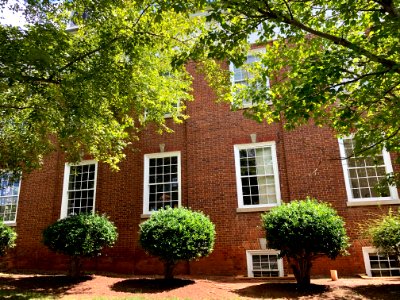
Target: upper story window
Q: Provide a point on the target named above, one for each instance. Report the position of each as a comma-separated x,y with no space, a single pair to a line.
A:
79,191
362,174
175,105
257,175
71,26
175,102
241,75
9,194
162,181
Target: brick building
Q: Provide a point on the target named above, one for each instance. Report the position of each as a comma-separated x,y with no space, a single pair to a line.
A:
219,162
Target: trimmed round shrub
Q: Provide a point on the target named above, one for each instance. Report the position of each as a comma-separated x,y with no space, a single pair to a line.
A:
385,233
301,231
79,236
7,238
176,234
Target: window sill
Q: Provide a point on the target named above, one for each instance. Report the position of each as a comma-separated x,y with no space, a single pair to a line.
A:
12,224
254,209
372,202
247,106
145,216
242,107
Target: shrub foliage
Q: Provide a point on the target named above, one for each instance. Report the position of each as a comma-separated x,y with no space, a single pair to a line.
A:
7,238
385,233
79,236
177,234
303,230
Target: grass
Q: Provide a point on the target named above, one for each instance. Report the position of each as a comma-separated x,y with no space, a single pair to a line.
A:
22,295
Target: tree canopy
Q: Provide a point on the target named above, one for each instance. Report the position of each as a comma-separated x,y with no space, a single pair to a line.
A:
384,233
80,236
90,87
334,62
303,230
177,234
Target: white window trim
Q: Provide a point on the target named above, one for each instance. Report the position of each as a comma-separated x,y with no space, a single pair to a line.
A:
241,206
13,223
250,253
367,264
67,170
231,69
392,199
147,158
366,251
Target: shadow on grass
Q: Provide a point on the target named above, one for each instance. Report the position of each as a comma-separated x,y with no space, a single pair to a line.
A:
379,291
37,286
281,290
149,285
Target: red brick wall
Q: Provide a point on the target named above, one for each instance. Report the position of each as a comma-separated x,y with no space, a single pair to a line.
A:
308,162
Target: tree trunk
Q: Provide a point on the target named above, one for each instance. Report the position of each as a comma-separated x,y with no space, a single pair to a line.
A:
302,271
75,267
168,270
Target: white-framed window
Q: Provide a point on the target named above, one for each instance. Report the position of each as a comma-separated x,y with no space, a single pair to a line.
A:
9,195
264,263
176,105
79,190
71,26
257,175
241,76
362,174
377,265
162,181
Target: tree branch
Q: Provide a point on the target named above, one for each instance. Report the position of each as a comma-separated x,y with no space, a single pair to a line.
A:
359,78
280,17
87,54
288,7
386,138
83,56
389,91
40,80
389,7
17,77
15,107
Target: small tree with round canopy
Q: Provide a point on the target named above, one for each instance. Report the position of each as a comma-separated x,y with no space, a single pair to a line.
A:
385,233
79,236
177,234
303,230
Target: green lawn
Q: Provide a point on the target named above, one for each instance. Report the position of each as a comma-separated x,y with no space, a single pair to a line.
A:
21,295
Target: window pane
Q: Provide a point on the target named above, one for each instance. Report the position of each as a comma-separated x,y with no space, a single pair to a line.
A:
246,200
241,75
81,188
257,175
164,185
9,190
395,272
265,265
371,172
361,172
364,173
382,265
